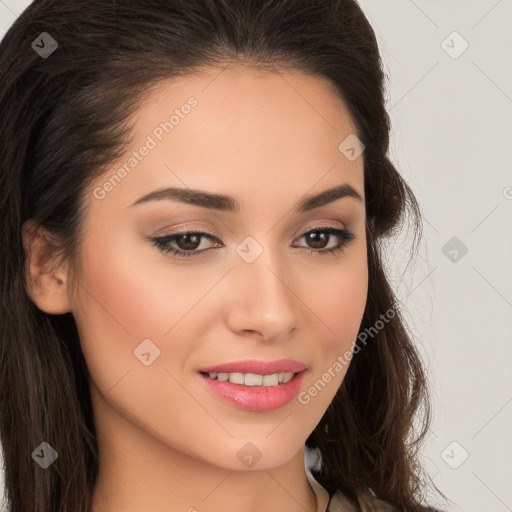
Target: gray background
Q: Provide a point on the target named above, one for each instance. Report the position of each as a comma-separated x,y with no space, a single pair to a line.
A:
451,113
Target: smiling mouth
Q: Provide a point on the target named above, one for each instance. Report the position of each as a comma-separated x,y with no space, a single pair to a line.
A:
252,379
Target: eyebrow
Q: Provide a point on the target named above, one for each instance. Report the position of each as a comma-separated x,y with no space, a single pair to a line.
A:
230,204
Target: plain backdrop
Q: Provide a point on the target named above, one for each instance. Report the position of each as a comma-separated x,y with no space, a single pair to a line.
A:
450,100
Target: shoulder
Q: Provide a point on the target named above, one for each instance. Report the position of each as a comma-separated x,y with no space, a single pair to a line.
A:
340,503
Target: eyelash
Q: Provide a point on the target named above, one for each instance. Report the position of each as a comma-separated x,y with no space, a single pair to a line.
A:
163,243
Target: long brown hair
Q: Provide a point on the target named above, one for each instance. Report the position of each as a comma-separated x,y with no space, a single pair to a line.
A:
64,119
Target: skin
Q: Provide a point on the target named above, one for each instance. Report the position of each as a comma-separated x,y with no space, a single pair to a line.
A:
166,443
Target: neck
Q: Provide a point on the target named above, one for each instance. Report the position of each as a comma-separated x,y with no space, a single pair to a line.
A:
140,472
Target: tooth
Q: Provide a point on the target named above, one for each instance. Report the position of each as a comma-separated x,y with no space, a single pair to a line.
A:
236,378
271,380
252,379
287,376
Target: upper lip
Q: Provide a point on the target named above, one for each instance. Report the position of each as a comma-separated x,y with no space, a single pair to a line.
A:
257,367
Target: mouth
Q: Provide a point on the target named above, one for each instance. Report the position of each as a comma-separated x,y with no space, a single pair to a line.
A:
253,391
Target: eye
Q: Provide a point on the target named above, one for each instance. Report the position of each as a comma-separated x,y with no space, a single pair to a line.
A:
188,242
318,237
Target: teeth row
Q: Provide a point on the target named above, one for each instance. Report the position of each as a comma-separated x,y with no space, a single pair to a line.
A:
251,379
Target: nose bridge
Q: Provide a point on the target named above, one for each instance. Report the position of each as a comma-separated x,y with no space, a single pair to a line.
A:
263,265
263,298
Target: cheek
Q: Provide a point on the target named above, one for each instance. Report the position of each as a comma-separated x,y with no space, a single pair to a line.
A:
339,299
124,299
339,305
117,299
340,308
345,311
129,292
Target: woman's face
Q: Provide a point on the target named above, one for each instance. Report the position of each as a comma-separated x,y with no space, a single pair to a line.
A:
258,284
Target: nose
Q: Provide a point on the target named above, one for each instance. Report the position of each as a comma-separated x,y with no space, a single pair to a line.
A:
261,299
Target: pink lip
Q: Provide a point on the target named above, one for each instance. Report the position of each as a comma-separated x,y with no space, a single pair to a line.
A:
257,367
255,398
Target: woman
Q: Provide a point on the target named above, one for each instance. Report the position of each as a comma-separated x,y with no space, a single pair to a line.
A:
193,299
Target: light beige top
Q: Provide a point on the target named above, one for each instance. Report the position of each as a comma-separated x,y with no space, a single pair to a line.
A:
339,502
322,496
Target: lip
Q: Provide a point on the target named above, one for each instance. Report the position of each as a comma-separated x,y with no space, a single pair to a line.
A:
258,367
255,398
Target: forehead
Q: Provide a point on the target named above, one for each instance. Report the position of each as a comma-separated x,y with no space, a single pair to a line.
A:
250,96
236,130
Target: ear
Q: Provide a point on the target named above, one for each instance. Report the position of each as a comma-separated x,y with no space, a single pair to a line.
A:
46,280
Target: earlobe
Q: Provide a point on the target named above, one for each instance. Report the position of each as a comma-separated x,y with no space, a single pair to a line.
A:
46,280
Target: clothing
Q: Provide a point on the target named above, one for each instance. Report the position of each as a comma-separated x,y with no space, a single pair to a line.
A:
337,502
322,496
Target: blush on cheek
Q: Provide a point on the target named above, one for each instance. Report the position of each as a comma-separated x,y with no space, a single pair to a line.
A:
342,303
119,293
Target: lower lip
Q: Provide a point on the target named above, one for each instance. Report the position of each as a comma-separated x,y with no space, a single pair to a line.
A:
255,398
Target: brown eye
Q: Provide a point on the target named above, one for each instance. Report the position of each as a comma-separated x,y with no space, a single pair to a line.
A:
187,242
319,238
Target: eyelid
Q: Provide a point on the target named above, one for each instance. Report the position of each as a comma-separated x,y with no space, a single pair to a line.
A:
214,233
192,229
346,235
324,224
